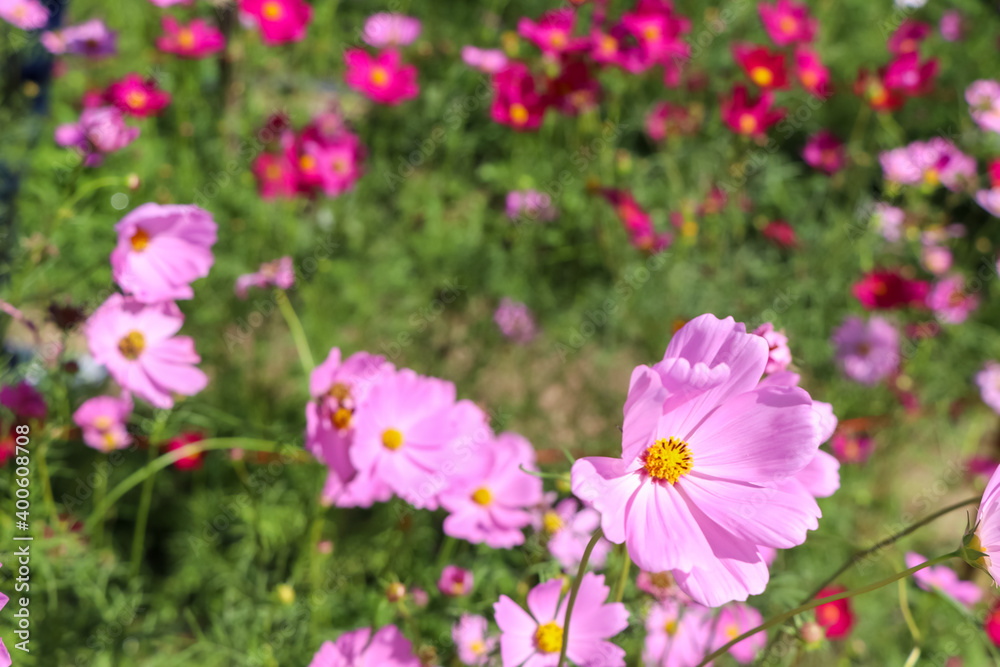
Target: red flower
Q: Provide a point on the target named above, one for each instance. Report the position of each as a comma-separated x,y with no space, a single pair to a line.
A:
574,89
909,76
836,617
750,116
992,624
885,289
192,461
765,68
907,37
994,172
637,222
516,101
781,233
872,87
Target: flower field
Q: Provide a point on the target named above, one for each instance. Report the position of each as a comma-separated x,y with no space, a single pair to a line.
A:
427,334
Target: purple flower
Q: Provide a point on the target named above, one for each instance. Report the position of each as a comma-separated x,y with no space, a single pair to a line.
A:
24,401
99,131
988,380
280,273
515,321
867,351
92,39
824,151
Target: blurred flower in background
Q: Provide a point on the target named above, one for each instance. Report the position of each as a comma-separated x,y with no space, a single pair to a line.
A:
515,321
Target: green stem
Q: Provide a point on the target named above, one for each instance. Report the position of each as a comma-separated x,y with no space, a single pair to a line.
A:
574,591
139,536
295,328
781,618
91,186
623,577
43,471
167,459
100,491
904,606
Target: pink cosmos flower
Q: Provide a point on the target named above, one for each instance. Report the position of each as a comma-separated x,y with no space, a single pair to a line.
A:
824,151
908,36
516,101
388,29
91,39
534,638
932,162
276,176
812,73
25,14
333,164
986,538
455,582
103,420
983,466
489,61
280,21
170,3
383,79
138,345
515,321
662,586
951,26
531,204
471,640
670,497
907,75
136,97
852,447
779,356
988,380
488,503
23,400
944,579
387,647
888,220
734,620
637,222
765,68
950,301
197,39
411,434
161,250
747,115
873,88
570,528
339,395
99,131
280,273
983,97
990,201
787,22
659,32
677,636
553,31
867,351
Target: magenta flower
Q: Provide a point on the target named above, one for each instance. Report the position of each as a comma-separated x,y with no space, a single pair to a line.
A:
386,648
659,34
473,644
867,352
25,14
339,394
136,97
170,3
748,115
138,345
516,101
412,430
951,26
384,78
553,31
103,420
671,496
195,40
279,273
983,97
23,400
570,528
515,321
787,22
489,61
908,36
824,151
677,636
99,131
387,29
161,250
988,380
944,579
852,447
534,638
488,502
455,582
280,21
950,301
332,164
91,39
779,356
812,73
907,75
276,176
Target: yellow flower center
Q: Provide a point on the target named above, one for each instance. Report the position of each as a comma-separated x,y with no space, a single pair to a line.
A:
272,11
482,496
140,240
458,588
103,423
762,76
342,419
668,459
379,77
732,631
651,33
519,113
132,345
307,162
671,627
748,124
557,39
273,172
340,391
809,78
788,25
109,441
477,647
549,637
136,99
932,177
551,522
185,38
609,44
392,439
